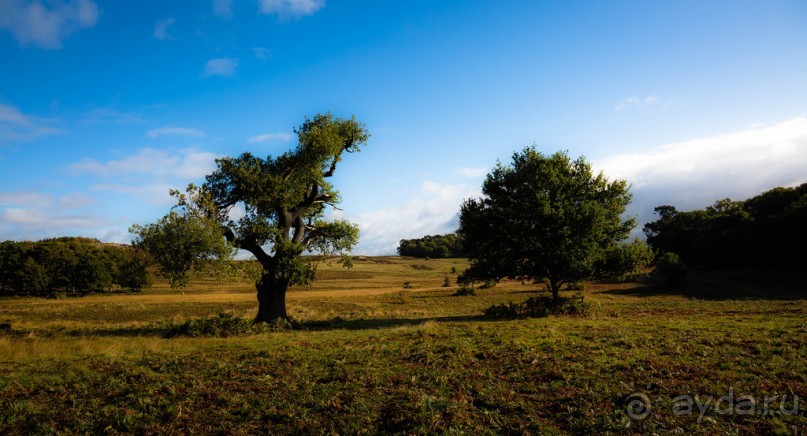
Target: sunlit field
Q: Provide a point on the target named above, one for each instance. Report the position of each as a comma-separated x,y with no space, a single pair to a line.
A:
371,356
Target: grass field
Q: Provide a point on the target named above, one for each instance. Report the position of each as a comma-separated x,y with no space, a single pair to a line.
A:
373,357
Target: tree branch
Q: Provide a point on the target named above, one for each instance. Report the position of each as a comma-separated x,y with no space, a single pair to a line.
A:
251,246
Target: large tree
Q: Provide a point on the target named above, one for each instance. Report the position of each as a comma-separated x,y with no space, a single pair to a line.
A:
280,204
543,218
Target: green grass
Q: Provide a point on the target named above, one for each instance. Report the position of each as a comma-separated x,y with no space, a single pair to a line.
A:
371,357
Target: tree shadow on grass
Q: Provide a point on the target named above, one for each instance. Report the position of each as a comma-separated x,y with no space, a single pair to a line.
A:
384,323
726,285
162,331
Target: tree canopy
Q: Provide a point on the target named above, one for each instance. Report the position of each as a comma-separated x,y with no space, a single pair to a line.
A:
766,231
437,246
543,218
70,265
272,207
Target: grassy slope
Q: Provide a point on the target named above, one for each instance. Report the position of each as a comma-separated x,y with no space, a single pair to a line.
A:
376,358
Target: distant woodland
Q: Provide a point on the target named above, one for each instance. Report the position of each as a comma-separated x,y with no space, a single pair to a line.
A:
437,246
70,266
768,231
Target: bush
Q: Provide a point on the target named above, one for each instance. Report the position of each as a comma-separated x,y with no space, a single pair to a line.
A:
223,325
446,282
407,285
536,307
625,259
488,284
671,268
576,286
465,290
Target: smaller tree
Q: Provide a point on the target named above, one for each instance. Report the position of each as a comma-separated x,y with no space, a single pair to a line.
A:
543,218
625,259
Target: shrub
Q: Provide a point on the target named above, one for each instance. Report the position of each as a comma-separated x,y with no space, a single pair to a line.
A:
407,285
225,324
671,268
464,291
446,282
453,270
488,284
576,286
540,306
624,260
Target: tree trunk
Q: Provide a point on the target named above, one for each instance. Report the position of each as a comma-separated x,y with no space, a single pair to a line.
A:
271,298
554,287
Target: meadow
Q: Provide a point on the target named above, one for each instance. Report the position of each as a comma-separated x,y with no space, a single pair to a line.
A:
720,353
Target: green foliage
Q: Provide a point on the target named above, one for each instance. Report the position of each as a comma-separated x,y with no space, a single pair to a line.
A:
437,246
225,324
625,259
68,265
185,240
540,306
446,282
133,276
488,284
281,203
465,290
544,218
671,268
763,232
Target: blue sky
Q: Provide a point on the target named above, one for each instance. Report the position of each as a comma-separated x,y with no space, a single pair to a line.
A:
106,105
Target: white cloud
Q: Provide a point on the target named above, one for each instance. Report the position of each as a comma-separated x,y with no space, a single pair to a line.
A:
267,137
106,115
261,53
16,126
290,8
46,25
161,29
472,173
11,115
175,131
36,215
223,8
433,210
187,164
696,173
650,100
224,67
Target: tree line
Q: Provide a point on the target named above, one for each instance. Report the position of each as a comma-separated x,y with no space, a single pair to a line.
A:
437,246
764,232
70,265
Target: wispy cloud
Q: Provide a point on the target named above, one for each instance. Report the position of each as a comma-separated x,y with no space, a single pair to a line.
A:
18,127
106,115
36,215
223,8
261,53
472,173
267,137
46,25
695,173
649,101
433,210
161,29
186,164
175,131
291,8
224,67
